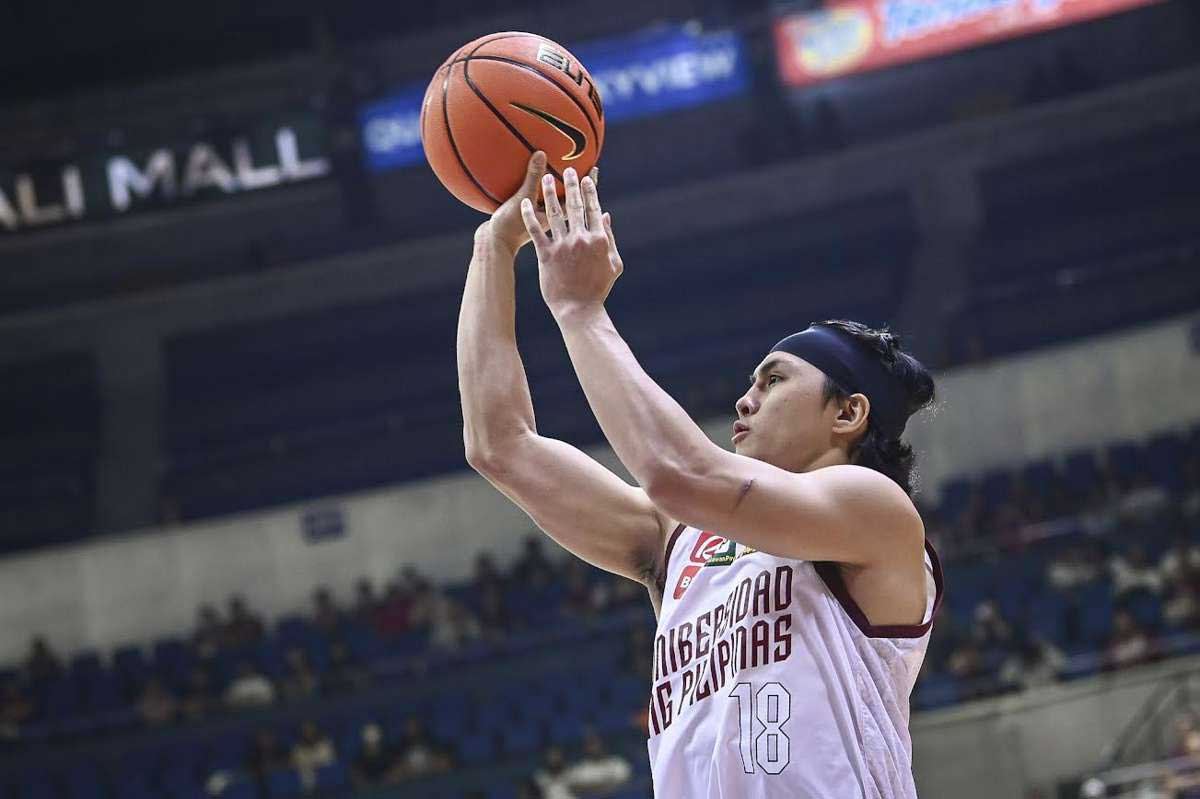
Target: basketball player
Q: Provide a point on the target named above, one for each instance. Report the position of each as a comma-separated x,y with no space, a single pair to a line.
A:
792,582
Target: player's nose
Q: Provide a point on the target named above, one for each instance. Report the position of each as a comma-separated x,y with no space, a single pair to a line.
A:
745,405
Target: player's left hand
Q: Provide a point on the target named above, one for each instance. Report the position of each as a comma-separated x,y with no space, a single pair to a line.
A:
578,262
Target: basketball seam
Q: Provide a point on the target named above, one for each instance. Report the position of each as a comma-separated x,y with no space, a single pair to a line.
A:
511,128
538,72
450,133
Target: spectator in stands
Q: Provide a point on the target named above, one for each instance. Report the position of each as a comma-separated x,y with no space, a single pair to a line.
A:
1129,644
1181,610
197,699
598,772
209,636
1072,567
1183,732
1181,562
966,664
157,706
528,789
989,631
327,616
418,756
552,777
16,709
627,594
265,755
424,599
42,665
394,614
344,672
311,751
638,657
1036,663
580,601
1131,571
1189,494
365,600
376,765
451,625
487,576
249,689
495,619
1142,500
301,680
243,628
533,569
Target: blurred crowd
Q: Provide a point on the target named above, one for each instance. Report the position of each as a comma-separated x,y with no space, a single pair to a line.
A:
1038,581
1080,581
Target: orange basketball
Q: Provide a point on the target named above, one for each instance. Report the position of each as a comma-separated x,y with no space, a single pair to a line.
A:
498,99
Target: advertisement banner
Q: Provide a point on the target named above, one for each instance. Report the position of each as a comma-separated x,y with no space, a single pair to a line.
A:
639,75
664,69
852,36
285,149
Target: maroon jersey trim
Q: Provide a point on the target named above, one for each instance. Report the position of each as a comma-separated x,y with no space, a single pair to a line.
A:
832,577
671,546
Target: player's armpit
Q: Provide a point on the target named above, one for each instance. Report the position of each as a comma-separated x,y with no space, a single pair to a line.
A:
579,503
847,514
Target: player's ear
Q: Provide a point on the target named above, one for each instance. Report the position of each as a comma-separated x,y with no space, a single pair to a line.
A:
852,415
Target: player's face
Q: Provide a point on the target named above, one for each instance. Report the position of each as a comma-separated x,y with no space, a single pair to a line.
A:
789,422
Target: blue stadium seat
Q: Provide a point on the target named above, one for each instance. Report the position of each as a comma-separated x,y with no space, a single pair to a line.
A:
284,782
502,792
1125,459
937,690
521,737
1165,459
996,487
1145,607
332,777
476,747
1039,477
84,782
565,729
1047,616
954,495
1080,472
241,790
1095,607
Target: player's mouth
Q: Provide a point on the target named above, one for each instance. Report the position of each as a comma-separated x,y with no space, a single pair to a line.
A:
740,431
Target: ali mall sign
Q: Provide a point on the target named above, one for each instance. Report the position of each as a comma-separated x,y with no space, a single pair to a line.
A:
118,183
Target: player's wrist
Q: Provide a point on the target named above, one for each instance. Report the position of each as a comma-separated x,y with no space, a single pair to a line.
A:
488,239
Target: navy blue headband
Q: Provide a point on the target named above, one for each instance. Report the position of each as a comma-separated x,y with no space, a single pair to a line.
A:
853,368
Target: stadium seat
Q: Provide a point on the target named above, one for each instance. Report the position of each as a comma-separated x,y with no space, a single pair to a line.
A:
332,777
476,747
521,737
284,782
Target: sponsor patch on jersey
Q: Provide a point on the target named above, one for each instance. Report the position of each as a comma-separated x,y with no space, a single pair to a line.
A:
728,554
706,544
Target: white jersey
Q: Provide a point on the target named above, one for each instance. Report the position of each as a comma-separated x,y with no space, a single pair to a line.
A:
769,682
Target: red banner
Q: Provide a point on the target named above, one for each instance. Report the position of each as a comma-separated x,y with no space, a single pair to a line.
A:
858,35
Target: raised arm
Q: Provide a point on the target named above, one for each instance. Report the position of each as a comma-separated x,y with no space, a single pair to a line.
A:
575,500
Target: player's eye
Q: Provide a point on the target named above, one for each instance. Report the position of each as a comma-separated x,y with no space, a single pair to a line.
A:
771,380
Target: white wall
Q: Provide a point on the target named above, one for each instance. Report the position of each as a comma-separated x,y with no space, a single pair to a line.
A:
1130,384
133,588
997,748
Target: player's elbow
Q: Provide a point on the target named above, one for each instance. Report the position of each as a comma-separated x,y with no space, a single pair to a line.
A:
486,458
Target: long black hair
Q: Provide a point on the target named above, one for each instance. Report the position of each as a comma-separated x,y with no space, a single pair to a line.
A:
874,450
